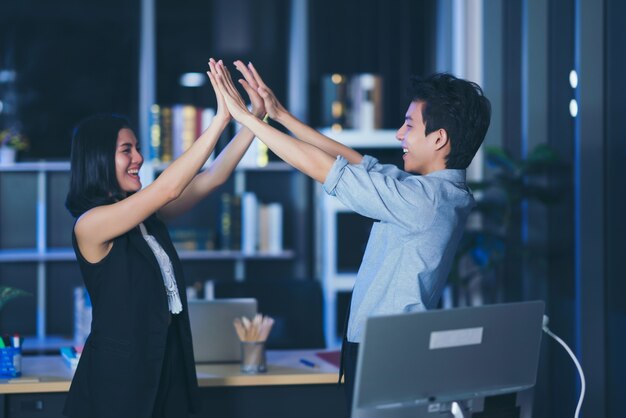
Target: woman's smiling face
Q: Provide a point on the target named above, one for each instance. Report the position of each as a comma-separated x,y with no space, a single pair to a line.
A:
128,161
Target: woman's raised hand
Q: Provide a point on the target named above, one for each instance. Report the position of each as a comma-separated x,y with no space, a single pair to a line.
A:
250,85
234,103
222,109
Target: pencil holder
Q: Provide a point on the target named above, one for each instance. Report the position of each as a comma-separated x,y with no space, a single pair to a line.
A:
10,362
253,357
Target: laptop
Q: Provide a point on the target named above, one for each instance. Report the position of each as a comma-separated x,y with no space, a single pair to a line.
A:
421,364
214,337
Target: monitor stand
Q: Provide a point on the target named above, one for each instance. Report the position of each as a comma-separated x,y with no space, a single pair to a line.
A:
457,411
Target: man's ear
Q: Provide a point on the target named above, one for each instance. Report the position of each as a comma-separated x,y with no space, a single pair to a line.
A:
442,139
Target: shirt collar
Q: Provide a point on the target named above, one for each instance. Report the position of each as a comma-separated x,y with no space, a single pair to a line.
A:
456,176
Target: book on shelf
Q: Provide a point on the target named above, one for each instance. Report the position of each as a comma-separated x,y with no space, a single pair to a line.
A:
155,134
173,129
225,222
248,225
165,119
334,100
271,228
366,97
352,101
256,155
235,222
230,222
249,222
192,239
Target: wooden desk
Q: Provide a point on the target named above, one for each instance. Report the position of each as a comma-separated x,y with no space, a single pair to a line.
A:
288,389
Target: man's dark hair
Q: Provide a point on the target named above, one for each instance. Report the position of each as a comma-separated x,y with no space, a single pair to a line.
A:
92,180
459,107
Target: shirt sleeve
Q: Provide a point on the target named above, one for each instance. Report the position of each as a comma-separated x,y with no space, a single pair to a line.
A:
371,164
366,188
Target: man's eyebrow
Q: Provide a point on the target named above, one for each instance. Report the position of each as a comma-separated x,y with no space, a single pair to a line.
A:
408,117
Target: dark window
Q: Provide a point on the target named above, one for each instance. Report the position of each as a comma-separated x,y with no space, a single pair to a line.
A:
64,60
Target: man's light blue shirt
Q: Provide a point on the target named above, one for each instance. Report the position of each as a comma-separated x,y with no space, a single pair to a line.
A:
411,249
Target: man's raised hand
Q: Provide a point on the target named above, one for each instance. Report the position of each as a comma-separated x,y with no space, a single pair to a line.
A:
250,86
272,106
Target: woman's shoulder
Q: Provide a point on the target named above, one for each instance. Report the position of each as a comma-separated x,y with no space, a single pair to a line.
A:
95,255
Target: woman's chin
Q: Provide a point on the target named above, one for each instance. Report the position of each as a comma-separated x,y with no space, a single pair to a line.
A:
132,188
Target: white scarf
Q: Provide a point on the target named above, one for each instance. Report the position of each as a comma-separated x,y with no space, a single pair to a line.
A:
173,298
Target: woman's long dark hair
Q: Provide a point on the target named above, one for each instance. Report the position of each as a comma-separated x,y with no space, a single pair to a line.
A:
93,181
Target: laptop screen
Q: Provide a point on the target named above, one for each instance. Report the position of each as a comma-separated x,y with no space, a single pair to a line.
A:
213,333
417,360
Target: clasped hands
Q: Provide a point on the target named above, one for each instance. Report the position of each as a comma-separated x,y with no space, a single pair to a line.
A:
230,101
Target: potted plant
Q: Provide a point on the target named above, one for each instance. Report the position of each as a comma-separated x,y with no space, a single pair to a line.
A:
11,141
476,273
10,353
9,293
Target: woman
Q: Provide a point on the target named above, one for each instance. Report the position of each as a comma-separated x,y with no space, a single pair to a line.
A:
138,359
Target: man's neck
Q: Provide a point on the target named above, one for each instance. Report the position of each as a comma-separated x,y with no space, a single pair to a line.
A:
434,166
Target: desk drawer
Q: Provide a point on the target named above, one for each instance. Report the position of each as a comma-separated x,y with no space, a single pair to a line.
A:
35,405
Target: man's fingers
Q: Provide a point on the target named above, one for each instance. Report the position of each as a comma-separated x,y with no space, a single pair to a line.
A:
256,75
247,87
263,92
246,73
242,68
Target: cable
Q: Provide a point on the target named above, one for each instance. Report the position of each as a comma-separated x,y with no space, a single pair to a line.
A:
569,351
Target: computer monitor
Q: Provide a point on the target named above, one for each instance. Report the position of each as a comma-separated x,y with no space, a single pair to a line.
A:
422,364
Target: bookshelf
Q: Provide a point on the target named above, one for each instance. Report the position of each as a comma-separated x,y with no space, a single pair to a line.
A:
341,234
36,252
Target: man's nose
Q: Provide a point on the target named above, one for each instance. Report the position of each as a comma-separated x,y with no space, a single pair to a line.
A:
400,134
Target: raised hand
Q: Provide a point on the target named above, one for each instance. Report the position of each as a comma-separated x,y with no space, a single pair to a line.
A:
234,103
272,106
222,110
250,85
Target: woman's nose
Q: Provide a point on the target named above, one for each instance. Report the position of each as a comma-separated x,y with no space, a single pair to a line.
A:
138,157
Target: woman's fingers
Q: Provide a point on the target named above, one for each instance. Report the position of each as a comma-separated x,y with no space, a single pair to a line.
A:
219,94
229,81
212,80
228,89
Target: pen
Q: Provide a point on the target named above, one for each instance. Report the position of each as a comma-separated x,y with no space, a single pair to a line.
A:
308,363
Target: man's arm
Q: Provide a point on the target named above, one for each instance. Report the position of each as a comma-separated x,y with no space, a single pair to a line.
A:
302,131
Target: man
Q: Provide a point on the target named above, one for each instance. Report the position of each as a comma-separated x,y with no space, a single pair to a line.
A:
421,211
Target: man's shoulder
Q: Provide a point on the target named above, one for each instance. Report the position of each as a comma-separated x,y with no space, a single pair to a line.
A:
444,187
